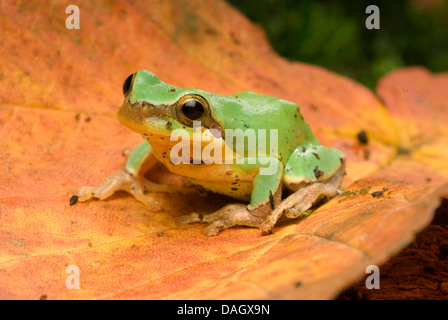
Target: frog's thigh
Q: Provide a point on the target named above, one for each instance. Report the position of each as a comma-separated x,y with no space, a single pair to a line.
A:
311,163
266,193
130,179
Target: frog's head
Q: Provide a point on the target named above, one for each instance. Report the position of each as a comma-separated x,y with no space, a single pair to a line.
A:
154,108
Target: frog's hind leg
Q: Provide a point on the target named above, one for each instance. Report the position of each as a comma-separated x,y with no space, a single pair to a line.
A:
266,194
130,179
226,217
303,199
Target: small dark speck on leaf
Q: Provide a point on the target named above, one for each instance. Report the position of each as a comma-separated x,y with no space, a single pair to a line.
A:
378,194
362,137
43,297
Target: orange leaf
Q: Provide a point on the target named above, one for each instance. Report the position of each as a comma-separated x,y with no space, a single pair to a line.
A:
60,90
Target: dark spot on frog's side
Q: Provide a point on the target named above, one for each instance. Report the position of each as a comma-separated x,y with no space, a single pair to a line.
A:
271,200
169,125
316,155
234,189
318,173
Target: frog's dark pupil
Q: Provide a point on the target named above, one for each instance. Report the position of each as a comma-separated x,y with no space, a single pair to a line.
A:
193,109
127,84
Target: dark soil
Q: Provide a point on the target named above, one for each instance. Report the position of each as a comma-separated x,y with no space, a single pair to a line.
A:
420,271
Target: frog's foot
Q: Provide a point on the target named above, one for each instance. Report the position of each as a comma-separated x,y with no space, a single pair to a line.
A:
123,180
303,199
226,217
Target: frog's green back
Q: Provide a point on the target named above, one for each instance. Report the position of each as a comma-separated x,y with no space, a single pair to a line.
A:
249,110
244,110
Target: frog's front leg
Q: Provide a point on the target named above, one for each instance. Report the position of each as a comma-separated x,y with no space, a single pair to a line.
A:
130,178
266,195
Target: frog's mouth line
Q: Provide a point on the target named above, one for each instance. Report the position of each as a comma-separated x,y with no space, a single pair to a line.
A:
135,116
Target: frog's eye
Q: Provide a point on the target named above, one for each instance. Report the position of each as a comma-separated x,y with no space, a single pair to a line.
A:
192,107
127,84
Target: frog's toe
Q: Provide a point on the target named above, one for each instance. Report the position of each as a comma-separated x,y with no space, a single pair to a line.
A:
226,217
112,183
216,227
87,193
189,218
139,187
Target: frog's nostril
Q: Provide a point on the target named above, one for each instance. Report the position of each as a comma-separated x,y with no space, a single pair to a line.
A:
127,84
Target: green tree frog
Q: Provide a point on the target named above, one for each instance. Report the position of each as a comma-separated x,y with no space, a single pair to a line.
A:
193,134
